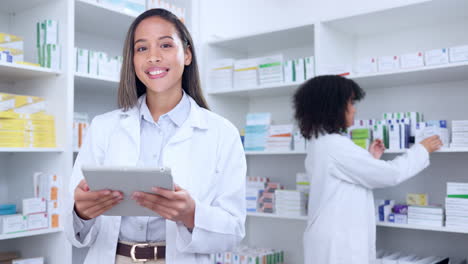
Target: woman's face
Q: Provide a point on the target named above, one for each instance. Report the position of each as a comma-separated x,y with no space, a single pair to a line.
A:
350,111
159,56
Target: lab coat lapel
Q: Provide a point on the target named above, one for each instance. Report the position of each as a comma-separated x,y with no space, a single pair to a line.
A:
130,122
194,120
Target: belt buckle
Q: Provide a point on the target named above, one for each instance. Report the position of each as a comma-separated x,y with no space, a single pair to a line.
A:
143,245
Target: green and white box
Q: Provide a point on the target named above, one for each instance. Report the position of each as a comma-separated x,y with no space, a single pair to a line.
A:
288,67
93,62
299,70
51,32
82,57
270,69
309,64
12,223
52,56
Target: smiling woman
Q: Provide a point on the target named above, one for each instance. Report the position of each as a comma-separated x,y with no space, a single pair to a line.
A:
164,121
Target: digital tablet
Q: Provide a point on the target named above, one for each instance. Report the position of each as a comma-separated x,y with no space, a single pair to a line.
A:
128,180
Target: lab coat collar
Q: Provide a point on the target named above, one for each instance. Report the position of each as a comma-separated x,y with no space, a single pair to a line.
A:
130,121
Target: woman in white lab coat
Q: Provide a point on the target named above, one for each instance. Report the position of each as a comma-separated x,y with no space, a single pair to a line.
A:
341,222
164,121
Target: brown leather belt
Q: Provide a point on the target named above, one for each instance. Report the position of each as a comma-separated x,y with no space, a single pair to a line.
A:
141,252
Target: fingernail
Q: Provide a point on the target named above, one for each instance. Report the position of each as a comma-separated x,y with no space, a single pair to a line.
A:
116,194
155,189
107,192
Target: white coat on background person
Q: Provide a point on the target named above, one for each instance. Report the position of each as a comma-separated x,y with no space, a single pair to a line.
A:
341,219
206,158
341,224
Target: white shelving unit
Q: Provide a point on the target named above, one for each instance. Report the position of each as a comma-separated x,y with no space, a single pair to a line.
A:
275,216
18,165
436,91
31,233
26,150
14,71
443,150
379,224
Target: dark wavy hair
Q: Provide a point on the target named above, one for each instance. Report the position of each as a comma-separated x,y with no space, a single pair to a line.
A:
320,104
131,88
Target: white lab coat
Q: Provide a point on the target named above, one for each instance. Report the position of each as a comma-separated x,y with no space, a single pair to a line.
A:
341,222
206,158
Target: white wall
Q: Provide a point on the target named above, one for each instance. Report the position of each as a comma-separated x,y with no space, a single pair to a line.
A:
241,17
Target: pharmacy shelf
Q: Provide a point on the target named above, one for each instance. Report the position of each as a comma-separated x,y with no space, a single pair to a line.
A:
32,150
14,6
280,89
88,82
425,75
17,72
425,13
101,20
31,233
304,218
297,36
427,228
381,224
261,153
443,150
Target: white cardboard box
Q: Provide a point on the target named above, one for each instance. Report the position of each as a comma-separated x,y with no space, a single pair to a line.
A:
412,60
436,57
458,54
366,66
12,223
388,63
34,205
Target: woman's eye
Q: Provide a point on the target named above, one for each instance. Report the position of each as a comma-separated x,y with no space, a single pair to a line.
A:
166,45
140,49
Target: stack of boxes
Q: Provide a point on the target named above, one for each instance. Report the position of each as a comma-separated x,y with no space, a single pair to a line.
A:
290,203
270,70
48,48
256,131
245,255
260,135
266,199
279,138
221,74
459,134
361,137
80,128
456,205
39,212
46,186
229,74
97,63
23,122
11,48
245,73
255,185
398,130
412,60
426,215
